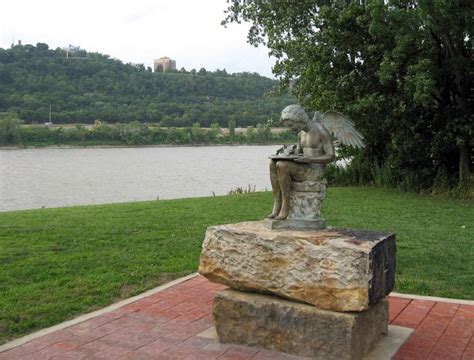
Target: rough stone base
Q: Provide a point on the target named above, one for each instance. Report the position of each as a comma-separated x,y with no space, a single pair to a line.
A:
332,269
294,328
295,224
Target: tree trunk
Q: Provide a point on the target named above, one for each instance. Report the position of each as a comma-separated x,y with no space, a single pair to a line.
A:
464,161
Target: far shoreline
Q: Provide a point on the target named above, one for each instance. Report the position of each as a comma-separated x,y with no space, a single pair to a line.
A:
68,147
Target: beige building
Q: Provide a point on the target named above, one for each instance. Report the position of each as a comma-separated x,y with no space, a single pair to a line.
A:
164,64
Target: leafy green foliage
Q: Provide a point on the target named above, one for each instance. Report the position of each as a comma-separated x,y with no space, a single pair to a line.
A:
90,86
231,127
134,133
58,263
9,129
402,70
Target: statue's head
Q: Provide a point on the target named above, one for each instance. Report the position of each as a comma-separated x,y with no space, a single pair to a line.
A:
294,117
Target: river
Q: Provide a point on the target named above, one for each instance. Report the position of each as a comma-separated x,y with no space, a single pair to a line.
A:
37,178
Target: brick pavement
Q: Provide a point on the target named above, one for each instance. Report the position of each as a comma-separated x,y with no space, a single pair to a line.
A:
166,325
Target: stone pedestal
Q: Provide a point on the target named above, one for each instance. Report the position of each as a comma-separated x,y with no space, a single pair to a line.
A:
333,269
316,293
306,199
277,324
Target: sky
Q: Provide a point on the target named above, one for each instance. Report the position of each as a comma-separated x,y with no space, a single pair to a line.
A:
137,31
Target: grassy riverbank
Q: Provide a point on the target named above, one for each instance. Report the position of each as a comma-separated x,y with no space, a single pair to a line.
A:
57,263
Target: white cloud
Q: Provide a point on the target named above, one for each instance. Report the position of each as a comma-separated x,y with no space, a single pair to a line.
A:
138,31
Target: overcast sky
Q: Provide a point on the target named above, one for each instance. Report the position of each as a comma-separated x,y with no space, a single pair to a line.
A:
137,31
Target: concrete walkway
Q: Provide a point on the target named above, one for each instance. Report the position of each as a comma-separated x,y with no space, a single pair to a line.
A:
175,322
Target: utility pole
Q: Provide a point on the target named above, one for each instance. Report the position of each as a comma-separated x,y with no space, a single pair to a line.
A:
49,112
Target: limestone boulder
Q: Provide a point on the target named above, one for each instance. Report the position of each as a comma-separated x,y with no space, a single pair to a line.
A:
333,269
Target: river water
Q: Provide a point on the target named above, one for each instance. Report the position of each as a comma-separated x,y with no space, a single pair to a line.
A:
36,178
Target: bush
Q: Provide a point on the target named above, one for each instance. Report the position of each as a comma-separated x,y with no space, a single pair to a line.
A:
9,128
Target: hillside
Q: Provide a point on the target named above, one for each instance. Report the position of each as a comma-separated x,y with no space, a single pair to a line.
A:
89,86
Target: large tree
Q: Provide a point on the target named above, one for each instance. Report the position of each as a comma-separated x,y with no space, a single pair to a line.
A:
402,70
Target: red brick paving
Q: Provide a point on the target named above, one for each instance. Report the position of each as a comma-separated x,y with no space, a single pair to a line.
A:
165,325
443,330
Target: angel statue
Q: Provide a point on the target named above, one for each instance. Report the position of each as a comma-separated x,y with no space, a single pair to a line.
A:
296,171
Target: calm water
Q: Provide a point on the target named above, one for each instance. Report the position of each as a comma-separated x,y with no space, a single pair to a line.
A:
35,178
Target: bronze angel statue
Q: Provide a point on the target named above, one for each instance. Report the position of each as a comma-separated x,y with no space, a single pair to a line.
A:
296,171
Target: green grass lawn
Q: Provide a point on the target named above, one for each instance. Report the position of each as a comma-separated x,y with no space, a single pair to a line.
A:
58,263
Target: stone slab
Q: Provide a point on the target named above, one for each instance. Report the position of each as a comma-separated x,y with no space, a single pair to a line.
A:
386,348
295,328
333,269
295,224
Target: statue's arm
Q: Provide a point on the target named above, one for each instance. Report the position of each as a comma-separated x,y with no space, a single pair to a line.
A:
327,158
328,148
329,152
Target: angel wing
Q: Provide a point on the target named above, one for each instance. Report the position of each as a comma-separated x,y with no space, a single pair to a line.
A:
342,129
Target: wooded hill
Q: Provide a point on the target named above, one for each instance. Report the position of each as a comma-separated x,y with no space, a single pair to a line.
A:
87,86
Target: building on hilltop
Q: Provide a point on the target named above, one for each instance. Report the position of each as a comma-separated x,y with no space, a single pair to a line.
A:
164,64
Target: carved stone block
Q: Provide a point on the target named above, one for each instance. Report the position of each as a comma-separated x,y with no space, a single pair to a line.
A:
300,329
306,199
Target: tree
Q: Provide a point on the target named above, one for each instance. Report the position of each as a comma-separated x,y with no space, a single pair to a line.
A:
42,46
401,69
197,133
264,132
250,134
9,128
215,130
231,126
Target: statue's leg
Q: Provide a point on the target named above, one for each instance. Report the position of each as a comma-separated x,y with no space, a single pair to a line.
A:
276,189
284,179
